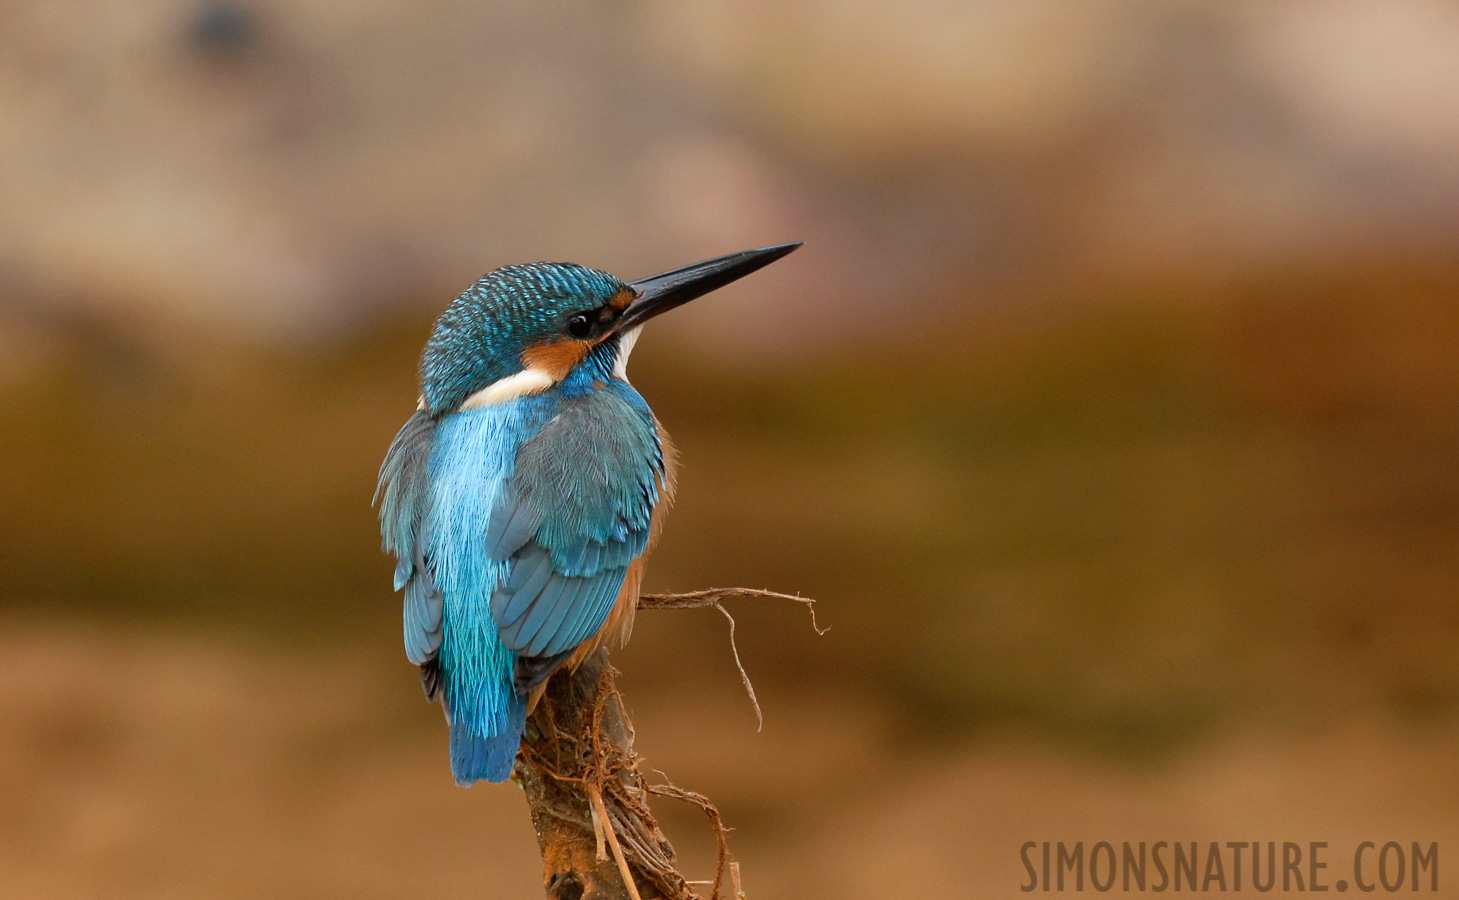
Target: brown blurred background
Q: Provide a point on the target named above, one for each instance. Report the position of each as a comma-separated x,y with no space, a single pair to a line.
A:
1109,411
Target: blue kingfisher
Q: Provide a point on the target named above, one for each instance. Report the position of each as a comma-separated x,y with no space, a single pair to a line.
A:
522,497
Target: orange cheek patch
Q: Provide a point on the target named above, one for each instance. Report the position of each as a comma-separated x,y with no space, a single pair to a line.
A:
556,358
621,299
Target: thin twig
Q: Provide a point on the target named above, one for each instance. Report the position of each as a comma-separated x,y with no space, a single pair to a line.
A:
721,831
714,597
598,826
744,676
618,857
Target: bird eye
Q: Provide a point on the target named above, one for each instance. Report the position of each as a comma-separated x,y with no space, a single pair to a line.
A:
579,326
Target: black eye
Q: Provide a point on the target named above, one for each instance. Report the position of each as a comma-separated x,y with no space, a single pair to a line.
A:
579,326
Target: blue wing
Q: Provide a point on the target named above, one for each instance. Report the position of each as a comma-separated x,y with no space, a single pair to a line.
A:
576,511
404,497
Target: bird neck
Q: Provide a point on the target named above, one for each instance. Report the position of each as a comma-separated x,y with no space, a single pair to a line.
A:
590,374
587,375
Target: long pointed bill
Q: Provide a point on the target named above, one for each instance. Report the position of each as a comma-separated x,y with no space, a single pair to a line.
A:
666,290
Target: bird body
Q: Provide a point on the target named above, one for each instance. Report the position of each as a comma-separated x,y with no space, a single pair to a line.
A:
522,497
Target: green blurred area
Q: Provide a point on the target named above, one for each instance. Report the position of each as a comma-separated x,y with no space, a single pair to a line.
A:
1115,523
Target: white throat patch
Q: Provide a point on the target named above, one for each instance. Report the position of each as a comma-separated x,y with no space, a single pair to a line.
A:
527,381
625,347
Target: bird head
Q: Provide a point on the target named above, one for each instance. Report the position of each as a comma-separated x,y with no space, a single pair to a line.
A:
522,329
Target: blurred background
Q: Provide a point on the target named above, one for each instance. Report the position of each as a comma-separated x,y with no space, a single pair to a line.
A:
1109,412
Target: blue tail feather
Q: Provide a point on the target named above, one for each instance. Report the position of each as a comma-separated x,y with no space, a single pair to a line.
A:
476,756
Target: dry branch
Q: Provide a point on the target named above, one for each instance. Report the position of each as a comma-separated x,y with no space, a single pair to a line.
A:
588,799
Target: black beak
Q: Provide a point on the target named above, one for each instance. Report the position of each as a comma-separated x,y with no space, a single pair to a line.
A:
666,290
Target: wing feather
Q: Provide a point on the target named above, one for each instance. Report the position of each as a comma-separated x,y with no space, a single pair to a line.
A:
531,572
576,513
403,495
549,612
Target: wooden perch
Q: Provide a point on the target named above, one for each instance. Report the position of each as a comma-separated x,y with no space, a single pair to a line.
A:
588,800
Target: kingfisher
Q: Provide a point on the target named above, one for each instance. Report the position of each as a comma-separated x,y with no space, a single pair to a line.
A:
521,499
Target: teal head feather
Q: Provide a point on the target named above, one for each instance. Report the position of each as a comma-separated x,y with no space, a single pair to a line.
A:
482,336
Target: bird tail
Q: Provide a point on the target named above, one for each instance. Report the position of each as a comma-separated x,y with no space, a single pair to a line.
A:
476,756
